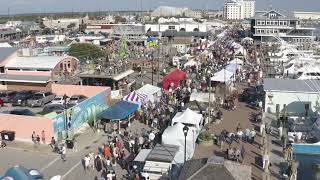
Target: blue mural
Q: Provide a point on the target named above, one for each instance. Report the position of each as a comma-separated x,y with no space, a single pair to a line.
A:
81,113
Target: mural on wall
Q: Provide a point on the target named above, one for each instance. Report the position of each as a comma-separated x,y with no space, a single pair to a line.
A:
81,113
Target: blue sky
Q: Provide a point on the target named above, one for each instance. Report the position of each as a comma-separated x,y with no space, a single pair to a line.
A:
41,6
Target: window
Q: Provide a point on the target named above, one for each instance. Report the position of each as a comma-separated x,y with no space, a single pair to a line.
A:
172,27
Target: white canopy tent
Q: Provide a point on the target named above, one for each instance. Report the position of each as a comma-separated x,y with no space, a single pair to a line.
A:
236,61
191,62
202,97
174,135
233,68
153,92
223,76
188,117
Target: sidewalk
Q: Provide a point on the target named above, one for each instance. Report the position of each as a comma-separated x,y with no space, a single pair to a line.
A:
83,141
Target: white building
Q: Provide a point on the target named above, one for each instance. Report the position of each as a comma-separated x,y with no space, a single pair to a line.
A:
180,26
307,15
50,39
167,11
270,24
238,9
296,95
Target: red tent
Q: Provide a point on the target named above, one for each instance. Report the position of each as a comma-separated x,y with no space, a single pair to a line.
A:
174,77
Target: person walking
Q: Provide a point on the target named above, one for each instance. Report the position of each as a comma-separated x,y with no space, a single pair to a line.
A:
253,135
63,152
247,134
34,138
98,163
43,137
38,139
86,161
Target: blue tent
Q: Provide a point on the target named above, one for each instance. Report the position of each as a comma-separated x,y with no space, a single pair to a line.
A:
119,111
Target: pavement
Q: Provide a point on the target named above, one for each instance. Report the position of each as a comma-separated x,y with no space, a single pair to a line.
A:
50,164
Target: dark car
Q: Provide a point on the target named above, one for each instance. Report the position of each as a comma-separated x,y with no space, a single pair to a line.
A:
252,94
22,173
75,100
22,112
21,98
6,96
58,108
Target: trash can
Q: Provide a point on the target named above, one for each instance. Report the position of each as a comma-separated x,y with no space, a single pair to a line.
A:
7,135
69,143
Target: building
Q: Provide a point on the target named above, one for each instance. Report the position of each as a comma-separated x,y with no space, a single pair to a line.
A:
167,11
238,9
50,39
307,15
63,23
266,25
294,94
185,26
33,72
214,168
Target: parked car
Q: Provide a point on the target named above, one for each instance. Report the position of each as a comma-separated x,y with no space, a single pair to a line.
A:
6,96
22,173
59,100
20,99
23,112
49,108
40,99
74,100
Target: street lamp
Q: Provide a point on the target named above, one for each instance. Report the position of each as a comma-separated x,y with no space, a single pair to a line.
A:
65,97
185,132
209,72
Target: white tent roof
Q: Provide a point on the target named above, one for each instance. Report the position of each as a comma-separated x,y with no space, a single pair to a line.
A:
236,61
149,89
191,62
202,97
222,76
5,44
174,135
233,67
188,117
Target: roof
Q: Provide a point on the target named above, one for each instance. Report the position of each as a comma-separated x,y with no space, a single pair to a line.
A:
35,62
283,14
24,79
5,52
142,156
214,168
291,85
163,153
191,167
119,111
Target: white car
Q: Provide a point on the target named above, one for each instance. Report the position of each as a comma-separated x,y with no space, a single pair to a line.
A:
59,100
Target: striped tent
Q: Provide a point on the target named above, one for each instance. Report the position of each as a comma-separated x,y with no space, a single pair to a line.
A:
136,97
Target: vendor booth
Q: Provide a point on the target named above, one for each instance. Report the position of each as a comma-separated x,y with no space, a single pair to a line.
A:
152,92
189,118
202,97
236,61
136,98
174,135
122,110
174,77
222,76
234,68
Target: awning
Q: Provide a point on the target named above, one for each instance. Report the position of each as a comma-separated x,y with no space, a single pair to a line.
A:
123,75
24,79
136,97
119,111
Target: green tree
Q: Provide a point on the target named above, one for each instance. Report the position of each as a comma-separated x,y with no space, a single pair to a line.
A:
85,51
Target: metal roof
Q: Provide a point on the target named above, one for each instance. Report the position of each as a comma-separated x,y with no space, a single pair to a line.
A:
292,85
5,52
35,62
24,79
283,15
163,153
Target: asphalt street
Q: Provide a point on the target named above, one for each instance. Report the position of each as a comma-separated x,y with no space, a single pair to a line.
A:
51,165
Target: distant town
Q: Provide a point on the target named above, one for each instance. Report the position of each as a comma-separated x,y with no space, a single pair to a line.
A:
169,93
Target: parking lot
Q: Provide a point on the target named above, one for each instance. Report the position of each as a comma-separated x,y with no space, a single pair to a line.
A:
35,103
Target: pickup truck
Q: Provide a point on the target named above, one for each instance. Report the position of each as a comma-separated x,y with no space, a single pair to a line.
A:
40,99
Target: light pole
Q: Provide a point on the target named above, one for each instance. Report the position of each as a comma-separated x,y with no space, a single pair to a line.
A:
209,72
185,132
65,97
